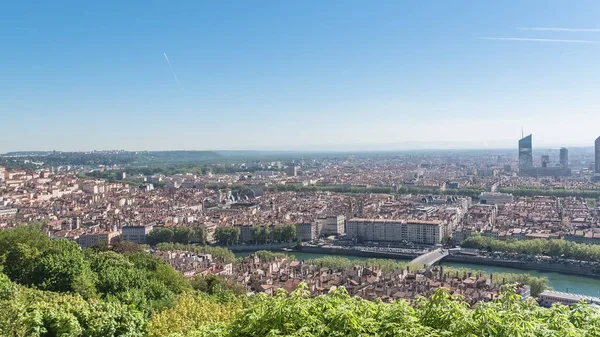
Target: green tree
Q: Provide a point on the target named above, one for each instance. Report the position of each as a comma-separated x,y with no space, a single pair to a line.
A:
183,235
227,235
158,235
260,234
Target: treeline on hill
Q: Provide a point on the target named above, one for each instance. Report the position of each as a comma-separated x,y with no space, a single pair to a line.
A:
53,288
553,248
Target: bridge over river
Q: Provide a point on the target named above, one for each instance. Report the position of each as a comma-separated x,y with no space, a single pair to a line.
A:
430,258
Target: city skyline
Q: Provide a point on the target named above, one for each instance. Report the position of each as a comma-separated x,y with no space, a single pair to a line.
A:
191,75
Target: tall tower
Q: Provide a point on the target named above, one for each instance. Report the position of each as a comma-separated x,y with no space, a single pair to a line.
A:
525,153
545,161
597,151
564,157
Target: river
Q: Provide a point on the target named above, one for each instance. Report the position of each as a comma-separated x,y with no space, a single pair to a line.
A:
560,282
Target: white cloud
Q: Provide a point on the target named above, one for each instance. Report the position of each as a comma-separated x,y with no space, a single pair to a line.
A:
537,40
556,29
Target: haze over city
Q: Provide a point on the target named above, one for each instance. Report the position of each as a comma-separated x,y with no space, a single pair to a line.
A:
338,75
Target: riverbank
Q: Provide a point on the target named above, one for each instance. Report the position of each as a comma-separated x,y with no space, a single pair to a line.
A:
558,281
361,253
572,269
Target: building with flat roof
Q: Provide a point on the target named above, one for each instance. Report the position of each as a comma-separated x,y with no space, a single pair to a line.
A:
382,230
333,225
493,198
97,239
549,297
597,154
8,211
307,231
545,160
136,234
564,157
525,152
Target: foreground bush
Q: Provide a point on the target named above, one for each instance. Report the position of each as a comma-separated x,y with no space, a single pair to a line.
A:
338,314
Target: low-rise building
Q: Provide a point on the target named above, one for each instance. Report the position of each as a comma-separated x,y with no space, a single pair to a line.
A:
7,211
549,297
492,198
136,234
97,239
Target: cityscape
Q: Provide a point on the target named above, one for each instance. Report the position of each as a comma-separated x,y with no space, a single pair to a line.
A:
418,208
300,169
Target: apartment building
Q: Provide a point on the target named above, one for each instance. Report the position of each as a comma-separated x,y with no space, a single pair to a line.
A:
492,198
136,234
7,211
333,225
307,231
97,239
382,230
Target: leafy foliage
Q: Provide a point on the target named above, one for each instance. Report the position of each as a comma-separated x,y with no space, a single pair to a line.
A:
227,236
266,255
554,248
31,312
183,235
134,278
105,293
338,314
193,313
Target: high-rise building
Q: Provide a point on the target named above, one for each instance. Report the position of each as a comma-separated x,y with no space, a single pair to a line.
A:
525,153
597,148
564,157
545,161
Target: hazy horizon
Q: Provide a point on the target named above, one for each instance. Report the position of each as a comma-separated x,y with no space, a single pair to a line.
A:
332,148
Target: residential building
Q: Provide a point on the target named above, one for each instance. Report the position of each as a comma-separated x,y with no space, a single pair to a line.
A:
487,172
381,230
492,198
209,231
97,239
136,234
307,231
7,211
333,225
245,233
583,237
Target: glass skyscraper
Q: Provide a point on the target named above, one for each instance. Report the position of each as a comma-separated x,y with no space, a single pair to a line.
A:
597,151
525,153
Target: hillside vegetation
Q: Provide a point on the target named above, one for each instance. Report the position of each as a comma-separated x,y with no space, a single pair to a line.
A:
52,288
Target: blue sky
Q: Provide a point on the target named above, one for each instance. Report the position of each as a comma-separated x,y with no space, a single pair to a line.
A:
82,75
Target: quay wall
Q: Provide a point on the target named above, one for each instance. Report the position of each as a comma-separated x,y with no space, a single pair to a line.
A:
574,269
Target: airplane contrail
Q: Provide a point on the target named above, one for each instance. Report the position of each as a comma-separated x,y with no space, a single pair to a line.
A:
173,70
